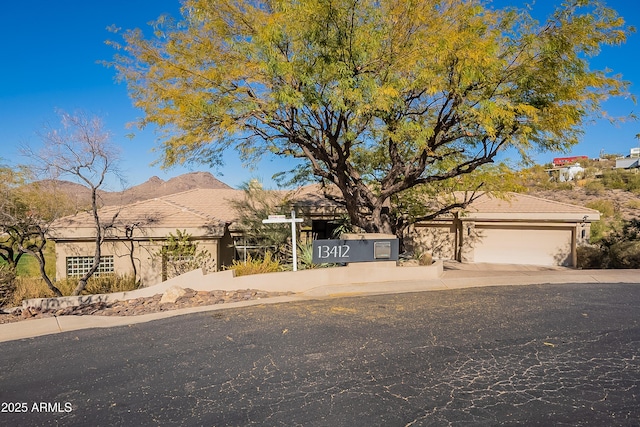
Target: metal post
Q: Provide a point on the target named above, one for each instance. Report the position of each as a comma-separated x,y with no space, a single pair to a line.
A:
278,219
293,239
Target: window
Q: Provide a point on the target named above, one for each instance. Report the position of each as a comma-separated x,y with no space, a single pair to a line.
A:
79,265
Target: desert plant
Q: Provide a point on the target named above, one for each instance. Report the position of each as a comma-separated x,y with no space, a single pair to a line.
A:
180,255
634,204
305,258
619,249
7,284
624,255
35,287
594,188
614,180
268,264
591,256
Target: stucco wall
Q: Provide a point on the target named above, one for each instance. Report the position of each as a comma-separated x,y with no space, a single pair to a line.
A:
436,238
149,267
523,242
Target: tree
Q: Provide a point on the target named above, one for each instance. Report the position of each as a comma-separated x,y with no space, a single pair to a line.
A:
27,211
82,151
257,204
376,97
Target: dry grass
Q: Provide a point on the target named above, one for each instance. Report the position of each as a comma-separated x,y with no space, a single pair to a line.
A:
256,266
33,287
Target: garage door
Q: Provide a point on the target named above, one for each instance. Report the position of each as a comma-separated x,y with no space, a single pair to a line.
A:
540,246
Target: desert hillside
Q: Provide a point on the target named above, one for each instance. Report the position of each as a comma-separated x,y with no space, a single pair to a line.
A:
626,203
154,187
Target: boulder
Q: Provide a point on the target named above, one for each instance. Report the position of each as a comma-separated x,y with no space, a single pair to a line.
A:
172,294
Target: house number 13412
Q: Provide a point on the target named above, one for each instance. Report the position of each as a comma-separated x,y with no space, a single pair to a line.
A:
326,251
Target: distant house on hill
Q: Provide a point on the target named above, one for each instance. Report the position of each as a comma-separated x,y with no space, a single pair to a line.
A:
562,161
519,230
632,161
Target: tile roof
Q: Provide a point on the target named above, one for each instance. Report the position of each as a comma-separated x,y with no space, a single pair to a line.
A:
188,209
206,208
523,206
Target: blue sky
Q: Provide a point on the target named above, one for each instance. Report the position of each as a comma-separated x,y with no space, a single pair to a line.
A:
50,51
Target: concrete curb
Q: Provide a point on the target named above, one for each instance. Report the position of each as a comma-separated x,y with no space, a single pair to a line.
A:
450,280
285,281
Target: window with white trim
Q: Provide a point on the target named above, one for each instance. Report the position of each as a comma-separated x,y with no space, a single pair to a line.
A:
79,265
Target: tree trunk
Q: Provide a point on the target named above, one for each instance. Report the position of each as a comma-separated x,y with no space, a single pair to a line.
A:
82,283
37,254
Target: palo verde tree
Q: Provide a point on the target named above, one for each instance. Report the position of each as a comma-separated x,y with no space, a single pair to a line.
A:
257,204
375,97
80,150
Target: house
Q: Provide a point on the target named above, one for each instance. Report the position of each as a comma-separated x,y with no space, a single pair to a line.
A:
566,173
632,161
563,161
520,229
135,234
517,229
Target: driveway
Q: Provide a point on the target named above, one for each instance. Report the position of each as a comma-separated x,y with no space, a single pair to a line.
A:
524,355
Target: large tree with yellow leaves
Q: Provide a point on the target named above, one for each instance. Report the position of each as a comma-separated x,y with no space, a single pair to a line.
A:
378,97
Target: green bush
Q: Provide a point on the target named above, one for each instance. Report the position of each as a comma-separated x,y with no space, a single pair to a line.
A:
594,188
633,182
619,249
606,207
624,255
614,180
634,204
7,284
591,257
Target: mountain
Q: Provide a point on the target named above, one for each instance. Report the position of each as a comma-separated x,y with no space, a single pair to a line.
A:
156,187
152,188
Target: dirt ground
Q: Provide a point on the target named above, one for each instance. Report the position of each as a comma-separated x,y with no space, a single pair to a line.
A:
623,200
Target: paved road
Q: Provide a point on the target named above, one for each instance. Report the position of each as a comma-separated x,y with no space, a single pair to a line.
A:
528,355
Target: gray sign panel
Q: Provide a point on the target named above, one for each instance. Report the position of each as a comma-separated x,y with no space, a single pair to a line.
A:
345,251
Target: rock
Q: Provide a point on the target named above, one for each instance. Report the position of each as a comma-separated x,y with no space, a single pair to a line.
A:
172,294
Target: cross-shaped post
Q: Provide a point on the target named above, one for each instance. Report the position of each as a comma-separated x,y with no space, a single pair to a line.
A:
279,219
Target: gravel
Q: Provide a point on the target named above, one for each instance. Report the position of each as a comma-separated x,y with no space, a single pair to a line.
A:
139,306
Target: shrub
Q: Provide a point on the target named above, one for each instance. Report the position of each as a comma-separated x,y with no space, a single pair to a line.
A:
614,180
590,257
7,285
594,188
633,181
305,258
624,255
256,266
606,207
634,204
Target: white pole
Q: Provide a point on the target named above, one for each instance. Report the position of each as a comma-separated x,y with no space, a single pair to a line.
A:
278,219
293,238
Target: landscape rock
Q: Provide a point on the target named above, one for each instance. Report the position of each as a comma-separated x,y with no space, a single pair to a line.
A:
139,306
172,294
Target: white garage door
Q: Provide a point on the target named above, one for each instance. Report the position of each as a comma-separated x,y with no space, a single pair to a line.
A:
541,246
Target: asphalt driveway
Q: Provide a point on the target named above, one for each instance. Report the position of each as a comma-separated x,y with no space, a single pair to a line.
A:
525,355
